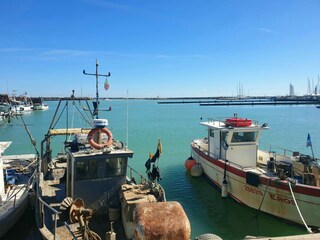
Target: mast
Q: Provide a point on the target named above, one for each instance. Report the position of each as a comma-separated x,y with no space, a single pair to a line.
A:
96,110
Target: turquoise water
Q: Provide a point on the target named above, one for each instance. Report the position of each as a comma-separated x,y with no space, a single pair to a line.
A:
176,126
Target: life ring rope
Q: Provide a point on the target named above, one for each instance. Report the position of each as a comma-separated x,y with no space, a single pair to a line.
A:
100,145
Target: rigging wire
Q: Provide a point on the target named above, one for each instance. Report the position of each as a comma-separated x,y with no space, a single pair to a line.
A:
60,115
33,141
83,114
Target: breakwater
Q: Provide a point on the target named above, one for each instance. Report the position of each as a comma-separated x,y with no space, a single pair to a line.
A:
246,101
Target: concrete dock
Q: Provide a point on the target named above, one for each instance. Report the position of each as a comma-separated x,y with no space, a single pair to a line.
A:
312,236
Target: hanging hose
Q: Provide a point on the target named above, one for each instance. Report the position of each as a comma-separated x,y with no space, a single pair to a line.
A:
295,202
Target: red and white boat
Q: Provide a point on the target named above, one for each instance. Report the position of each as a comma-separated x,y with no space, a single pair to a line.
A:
281,184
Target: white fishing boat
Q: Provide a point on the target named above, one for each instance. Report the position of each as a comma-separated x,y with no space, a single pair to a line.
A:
21,104
83,193
285,184
4,103
4,107
38,104
17,174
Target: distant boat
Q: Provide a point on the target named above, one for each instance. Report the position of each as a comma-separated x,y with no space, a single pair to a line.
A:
17,177
38,104
318,106
276,183
4,103
21,104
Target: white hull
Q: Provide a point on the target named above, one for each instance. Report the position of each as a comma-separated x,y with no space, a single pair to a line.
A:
16,179
11,212
20,109
271,195
4,107
40,107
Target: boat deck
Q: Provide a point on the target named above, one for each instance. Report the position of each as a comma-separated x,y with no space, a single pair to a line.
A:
202,144
53,193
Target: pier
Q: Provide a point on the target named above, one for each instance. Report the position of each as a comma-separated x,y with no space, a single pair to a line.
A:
252,103
292,237
247,101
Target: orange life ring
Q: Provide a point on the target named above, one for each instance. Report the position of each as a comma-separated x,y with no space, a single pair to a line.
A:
100,145
238,122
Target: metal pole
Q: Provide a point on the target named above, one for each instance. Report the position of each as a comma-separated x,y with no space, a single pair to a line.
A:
97,85
97,92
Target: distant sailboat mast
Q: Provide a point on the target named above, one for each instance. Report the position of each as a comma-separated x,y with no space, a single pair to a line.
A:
309,87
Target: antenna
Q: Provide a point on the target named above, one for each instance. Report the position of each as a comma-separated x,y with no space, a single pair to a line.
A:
127,120
96,110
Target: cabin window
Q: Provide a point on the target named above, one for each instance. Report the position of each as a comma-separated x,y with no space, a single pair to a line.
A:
115,167
211,133
224,136
86,169
244,137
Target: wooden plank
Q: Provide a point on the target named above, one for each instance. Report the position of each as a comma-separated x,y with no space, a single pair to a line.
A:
29,156
68,131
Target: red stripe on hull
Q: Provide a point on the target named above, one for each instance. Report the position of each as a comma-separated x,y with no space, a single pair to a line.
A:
270,181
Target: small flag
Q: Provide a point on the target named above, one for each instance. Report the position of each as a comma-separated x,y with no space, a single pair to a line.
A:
153,158
309,143
159,147
106,85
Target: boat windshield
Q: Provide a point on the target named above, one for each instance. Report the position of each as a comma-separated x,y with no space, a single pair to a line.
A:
244,137
99,168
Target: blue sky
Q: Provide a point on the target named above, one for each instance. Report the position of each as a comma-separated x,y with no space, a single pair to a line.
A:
195,48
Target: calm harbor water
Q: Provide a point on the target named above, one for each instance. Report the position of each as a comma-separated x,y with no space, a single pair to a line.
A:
176,125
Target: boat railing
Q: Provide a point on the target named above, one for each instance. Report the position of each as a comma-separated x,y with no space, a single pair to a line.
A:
14,196
280,151
41,202
133,173
202,149
42,205
277,149
222,120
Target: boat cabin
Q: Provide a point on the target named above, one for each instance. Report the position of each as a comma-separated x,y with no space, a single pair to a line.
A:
235,142
3,147
96,176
